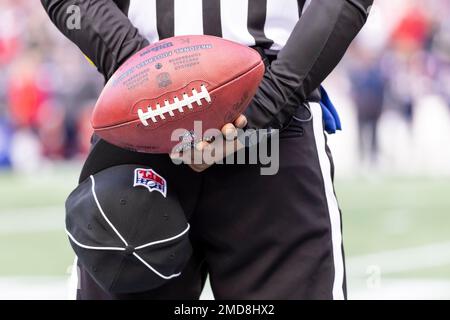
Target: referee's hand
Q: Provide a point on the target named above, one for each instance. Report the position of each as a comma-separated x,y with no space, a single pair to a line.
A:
225,146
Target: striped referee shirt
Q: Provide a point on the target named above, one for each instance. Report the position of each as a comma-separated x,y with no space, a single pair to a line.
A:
264,23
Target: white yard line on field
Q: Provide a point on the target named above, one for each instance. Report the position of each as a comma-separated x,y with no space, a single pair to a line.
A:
27,220
33,288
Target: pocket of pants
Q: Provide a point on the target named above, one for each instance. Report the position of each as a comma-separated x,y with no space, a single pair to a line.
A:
296,125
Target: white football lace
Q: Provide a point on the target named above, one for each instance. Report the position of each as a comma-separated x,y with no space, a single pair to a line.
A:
169,108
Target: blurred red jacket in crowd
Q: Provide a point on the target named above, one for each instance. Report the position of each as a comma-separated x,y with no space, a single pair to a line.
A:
24,97
8,49
412,30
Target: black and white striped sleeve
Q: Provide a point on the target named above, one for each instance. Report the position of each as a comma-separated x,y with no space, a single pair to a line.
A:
314,48
103,32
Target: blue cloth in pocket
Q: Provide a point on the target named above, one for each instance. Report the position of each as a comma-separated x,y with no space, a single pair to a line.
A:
331,119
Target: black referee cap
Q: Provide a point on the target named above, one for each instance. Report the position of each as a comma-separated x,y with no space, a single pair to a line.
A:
128,229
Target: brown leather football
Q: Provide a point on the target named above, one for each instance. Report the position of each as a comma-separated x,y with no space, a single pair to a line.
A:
171,84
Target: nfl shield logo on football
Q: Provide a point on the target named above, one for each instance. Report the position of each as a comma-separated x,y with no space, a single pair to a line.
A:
151,180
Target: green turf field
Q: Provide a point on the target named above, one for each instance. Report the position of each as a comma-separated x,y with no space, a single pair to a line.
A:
32,238
394,213
380,215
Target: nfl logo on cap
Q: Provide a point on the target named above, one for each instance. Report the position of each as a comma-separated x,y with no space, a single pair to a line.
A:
151,180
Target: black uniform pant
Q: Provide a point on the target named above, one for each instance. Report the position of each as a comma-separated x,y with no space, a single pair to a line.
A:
257,236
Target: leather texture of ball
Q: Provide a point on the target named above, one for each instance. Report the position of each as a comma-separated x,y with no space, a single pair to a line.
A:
173,84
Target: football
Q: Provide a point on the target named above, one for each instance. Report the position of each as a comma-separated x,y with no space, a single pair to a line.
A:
166,96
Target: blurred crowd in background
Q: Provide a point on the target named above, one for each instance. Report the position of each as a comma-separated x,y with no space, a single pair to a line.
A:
400,58
48,89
